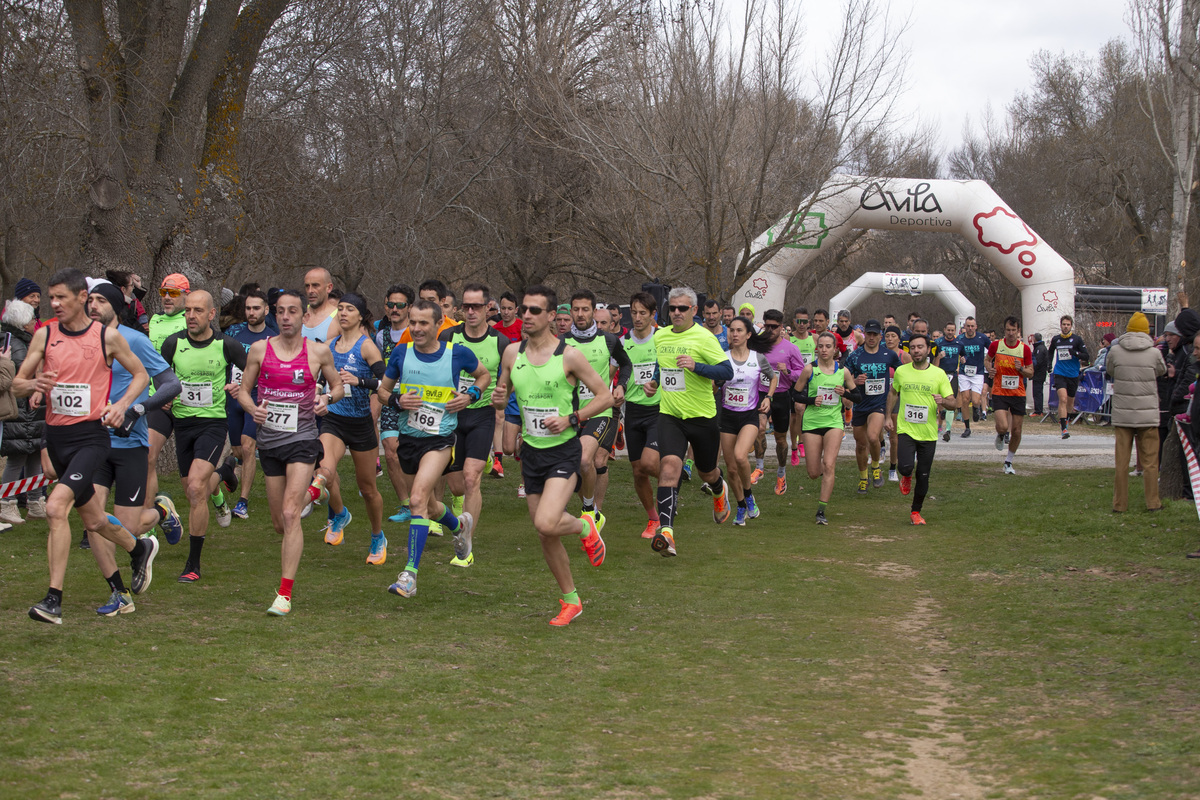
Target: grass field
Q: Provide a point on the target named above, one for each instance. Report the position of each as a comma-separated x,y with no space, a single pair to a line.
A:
1026,643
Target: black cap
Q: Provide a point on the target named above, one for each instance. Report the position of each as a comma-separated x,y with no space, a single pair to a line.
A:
873,326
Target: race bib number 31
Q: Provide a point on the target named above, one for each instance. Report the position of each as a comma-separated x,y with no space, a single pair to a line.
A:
196,395
71,399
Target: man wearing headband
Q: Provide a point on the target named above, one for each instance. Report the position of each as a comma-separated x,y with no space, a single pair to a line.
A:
203,360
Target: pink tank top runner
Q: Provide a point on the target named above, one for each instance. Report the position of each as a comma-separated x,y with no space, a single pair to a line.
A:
290,391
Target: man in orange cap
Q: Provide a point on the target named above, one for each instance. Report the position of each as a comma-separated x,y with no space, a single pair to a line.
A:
173,291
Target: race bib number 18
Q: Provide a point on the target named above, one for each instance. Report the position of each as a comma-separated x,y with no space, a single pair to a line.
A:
535,420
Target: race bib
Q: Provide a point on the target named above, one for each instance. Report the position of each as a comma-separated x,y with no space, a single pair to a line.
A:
427,419
643,373
969,371
585,394
282,417
917,415
196,395
874,386
1010,382
71,399
672,379
826,396
235,376
737,397
1064,353
465,382
535,420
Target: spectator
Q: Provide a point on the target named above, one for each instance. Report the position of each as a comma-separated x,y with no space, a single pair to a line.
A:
130,284
1134,365
22,437
1041,366
1170,345
30,293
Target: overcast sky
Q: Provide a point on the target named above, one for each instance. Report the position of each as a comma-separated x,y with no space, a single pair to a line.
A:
965,54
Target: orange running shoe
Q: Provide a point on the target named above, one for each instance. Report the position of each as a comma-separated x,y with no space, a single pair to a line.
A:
569,612
754,476
664,542
498,471
592,544
917,519
721,509
780,485
651,527
905,484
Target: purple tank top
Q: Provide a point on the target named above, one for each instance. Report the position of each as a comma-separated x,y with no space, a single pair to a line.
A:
290,391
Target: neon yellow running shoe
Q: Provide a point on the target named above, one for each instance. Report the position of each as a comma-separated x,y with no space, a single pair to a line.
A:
281,607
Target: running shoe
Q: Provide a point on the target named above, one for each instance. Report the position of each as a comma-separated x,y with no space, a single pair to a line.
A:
435,529
946,435
171,524
378,555
403,514
965,434
337,527
231,486
877,477
795,458
620,443
242,509
917,519
752,509
999,441
456,504
893,476
592,544
687,469
48,610
740,519
569,612
405,585
663,542
821,518
754,476
190,574
802,450
84,542
1007,437
721,508
118,603
281,607
224,515
1066,434
974,413
378,469
651,527
781,484
521,492
862,485
464,556
941,429
906,484
1008,468
143,570
497,470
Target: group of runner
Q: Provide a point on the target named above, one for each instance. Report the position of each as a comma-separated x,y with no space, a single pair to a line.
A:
307,378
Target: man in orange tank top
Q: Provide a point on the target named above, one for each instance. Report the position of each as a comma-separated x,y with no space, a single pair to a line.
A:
1009,362
76,357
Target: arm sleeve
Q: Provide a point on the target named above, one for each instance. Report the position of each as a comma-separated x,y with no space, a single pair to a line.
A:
764,366
618,354
166,387
235,353
715,372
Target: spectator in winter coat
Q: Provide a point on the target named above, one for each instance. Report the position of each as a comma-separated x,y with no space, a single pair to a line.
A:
22,442
1041,366
1134,365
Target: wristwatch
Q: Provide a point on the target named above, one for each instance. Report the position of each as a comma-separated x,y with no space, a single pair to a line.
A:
574,422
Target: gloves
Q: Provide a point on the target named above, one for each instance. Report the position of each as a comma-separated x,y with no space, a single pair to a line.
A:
132,415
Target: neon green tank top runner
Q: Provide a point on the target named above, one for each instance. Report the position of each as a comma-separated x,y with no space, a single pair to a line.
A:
645,363
202,371
596,352
543,392
827,411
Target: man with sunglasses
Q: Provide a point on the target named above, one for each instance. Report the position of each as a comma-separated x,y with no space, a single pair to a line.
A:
544,372
599,435
477,422
399,300
173,291
690,361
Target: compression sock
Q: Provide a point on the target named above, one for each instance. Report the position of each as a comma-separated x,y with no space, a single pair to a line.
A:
1062,423
218,497
115,583
418,532
667,496
781,472
447,520
862,474
285,587
821,506
758,464
571,598
195,545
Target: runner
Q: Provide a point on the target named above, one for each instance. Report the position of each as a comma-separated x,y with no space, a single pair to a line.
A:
600,433
641,405
322,308
970,377
690,361
75,355
242,430
919,390
173,292
425,375
1070,354
872,366
787,362
845,330
543,372
806,343
399,299
714,325
477,422
1010,362
284,369
348,425
203,360
727,315
126,465
743,399
510,326
820,324
891,338
824,386
948,357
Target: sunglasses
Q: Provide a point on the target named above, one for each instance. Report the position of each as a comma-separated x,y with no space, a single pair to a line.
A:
535,310
473,306
771,325
680,309
170,293
397,305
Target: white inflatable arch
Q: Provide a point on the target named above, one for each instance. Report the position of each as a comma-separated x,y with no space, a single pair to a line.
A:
968,208
906,285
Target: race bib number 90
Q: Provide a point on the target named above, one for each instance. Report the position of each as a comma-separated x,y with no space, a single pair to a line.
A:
71,399
672,379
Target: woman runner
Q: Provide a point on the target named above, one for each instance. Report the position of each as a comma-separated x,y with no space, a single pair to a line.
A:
742,400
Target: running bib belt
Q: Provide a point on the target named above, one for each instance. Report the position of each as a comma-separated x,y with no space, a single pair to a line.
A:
916,412
543,392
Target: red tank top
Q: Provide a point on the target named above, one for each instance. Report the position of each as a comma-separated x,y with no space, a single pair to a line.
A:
83,377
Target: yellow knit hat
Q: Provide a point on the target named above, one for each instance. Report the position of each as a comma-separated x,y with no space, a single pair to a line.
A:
1138,323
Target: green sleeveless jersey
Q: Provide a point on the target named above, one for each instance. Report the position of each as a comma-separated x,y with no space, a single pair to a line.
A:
203,369
598,352
827,411
645,367
807,346
543,392
489,349
163,325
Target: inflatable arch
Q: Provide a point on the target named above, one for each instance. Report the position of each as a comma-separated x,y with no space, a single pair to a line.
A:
909,285
969,208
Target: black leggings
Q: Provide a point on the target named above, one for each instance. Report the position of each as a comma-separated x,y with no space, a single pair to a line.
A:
921,453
